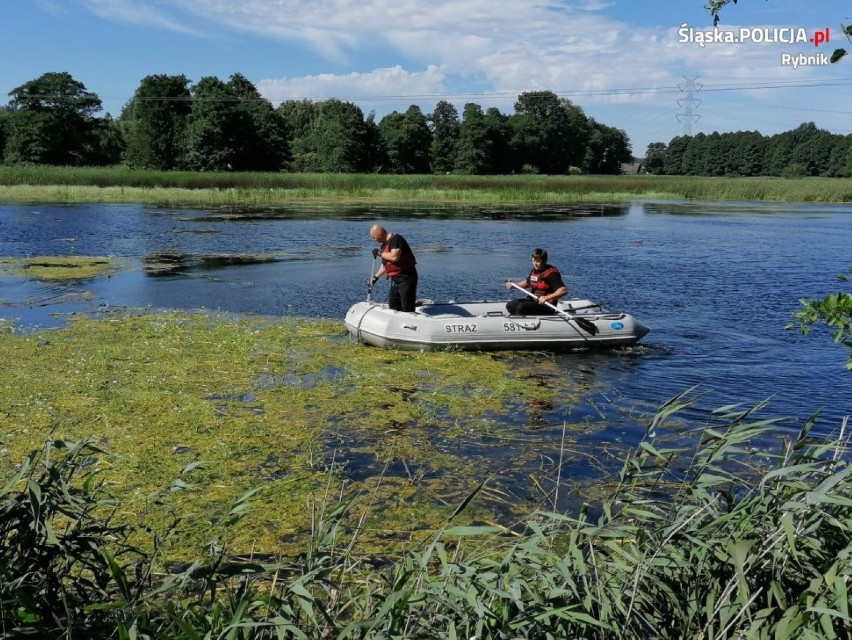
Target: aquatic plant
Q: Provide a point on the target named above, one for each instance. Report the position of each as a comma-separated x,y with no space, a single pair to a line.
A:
719,547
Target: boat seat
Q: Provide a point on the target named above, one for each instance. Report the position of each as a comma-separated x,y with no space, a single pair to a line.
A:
450,310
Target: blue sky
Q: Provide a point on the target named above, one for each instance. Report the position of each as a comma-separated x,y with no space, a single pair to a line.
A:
622,61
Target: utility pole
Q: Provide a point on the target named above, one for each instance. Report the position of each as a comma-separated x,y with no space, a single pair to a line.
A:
688,104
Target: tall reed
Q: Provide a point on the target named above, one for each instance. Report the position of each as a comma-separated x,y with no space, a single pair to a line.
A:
712,542
92,184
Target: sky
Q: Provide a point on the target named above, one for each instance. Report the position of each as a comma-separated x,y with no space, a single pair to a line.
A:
637,65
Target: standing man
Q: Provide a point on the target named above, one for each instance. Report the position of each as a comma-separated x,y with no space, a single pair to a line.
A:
397,264
544,282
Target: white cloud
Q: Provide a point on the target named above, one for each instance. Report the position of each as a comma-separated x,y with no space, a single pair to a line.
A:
426,51
140,13
389,84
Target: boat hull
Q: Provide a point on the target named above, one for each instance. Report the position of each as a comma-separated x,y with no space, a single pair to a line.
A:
487,326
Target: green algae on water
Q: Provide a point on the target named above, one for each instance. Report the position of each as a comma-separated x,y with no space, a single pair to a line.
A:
213,407
61,267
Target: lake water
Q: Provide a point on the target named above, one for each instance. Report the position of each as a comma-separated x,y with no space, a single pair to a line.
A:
716,283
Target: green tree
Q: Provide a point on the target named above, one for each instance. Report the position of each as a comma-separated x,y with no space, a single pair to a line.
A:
655,158
263,142
211,125
503,158
299,116
674,161
607,149
473,152
231,127
549,132
4,127
375,152
408,141
51,121
337,138
695,156
779,150
752,152
109,144
444,122
156,117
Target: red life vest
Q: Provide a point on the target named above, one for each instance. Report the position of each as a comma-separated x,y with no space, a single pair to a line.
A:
405,263
538,281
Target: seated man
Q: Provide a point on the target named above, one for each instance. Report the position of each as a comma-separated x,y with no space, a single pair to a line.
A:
544,282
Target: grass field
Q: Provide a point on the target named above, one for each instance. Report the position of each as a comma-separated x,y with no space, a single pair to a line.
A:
270,190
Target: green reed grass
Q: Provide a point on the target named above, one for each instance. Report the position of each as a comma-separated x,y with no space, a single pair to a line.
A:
721,547
257,190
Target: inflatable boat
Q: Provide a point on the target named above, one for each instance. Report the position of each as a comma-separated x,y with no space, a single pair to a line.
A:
487,326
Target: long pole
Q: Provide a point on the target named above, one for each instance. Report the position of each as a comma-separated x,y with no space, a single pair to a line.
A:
583,323
371,282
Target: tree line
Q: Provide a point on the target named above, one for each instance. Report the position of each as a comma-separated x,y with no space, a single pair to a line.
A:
216,125
804,151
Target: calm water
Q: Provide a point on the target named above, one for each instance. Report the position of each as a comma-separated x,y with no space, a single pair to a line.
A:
715,282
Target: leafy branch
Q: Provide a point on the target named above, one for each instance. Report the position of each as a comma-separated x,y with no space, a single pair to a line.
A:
715,6
834,310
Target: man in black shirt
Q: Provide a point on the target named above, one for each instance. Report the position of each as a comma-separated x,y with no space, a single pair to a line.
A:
544,282
397,264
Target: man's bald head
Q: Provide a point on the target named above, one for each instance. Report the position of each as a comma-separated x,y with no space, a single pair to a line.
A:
378,233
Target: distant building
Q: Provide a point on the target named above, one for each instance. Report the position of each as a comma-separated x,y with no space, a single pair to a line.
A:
628,168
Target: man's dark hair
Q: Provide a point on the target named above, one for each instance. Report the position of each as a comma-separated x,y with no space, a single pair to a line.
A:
540,254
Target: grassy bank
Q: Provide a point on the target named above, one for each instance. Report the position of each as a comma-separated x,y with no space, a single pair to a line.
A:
282,190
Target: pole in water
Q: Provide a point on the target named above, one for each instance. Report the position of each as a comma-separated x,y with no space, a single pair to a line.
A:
370,281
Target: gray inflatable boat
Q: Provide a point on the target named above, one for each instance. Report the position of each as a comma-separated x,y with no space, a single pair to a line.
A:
488,326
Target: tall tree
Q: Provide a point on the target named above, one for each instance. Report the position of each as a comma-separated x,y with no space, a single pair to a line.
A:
607,149
502,157
109,142
550,133
375,152
674,162
52,121
299,116
336,141
211,124
264,139
444,122
473,153
156,118
655,158
408,140
5,114
231,127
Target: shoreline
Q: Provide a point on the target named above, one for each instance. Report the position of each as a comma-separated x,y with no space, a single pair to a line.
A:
245,191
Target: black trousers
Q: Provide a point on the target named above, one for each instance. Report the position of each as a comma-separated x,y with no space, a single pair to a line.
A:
528,307
403,291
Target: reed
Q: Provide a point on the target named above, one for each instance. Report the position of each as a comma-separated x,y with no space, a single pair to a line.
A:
258,190
691,543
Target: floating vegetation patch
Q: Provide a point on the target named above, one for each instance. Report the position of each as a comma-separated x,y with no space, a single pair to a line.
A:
61,267
171,261
280,406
